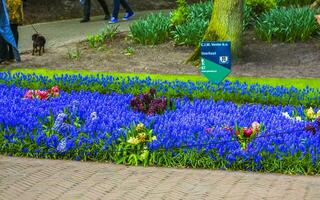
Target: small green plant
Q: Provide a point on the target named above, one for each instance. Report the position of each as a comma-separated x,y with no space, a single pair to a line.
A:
260,6
74,54
132,148
107,33
154,29
248,19
200,10
110,31
129,51
190,33
287,24
179,15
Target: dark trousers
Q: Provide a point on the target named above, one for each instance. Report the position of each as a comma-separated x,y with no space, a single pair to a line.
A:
87,8
6,50
116,7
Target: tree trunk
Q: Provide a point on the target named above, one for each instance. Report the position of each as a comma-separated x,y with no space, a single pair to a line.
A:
225,25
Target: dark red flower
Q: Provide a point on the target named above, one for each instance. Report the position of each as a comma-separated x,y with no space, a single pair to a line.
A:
247,132
311,128
152,91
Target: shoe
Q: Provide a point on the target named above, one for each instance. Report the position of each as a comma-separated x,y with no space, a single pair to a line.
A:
127,16
84,20
113,20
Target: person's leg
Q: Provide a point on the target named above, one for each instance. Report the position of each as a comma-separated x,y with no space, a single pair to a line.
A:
14,29
86,11
105,8
3,49
116,8
126,6
129,13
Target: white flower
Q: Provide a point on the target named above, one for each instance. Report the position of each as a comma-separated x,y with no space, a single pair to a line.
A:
286,115
255,126
298,118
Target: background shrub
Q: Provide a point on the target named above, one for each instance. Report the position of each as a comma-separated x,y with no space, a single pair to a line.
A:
294,2
191,32
154,29
179,15
287,24
260,6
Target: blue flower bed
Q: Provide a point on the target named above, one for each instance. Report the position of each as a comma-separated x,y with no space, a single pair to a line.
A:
229,91
90,126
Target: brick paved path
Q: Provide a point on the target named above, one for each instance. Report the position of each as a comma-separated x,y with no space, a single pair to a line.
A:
24,179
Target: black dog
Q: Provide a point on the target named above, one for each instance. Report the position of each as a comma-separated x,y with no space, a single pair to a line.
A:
38,42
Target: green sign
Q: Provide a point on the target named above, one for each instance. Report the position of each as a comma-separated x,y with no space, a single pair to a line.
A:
215,60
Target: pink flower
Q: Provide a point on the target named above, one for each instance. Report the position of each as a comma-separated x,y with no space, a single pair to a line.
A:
55,90
247,132
29,94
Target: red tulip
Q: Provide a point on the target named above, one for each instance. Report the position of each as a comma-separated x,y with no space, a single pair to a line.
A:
247,132
42,95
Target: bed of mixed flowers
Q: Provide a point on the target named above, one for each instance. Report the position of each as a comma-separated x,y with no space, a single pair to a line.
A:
147,129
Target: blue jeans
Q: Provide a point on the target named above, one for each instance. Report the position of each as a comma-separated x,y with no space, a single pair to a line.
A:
116,7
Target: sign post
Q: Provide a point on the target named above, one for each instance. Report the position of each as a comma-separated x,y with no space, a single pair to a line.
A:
215,60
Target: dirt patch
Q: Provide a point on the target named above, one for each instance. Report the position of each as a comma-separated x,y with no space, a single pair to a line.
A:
260,59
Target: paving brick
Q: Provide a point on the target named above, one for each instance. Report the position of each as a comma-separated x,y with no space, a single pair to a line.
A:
22,178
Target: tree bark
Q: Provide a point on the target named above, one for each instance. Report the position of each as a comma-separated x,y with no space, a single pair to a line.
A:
225,25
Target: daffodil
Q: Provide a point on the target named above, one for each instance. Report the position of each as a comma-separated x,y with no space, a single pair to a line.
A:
133,141
310,113
318,113
140,127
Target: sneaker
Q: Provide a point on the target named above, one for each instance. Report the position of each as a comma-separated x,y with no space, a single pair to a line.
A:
127,16
113,20
84,20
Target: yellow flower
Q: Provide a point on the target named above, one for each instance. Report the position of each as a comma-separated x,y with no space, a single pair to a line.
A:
154,138
133,141
140,127
318,113
310,113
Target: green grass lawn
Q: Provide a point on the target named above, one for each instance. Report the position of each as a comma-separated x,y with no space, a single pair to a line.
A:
287,82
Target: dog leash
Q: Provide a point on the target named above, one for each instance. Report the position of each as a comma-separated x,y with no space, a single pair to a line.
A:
34,29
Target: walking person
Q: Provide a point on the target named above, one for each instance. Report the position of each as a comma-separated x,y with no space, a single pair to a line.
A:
116,7
87,10
8,46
